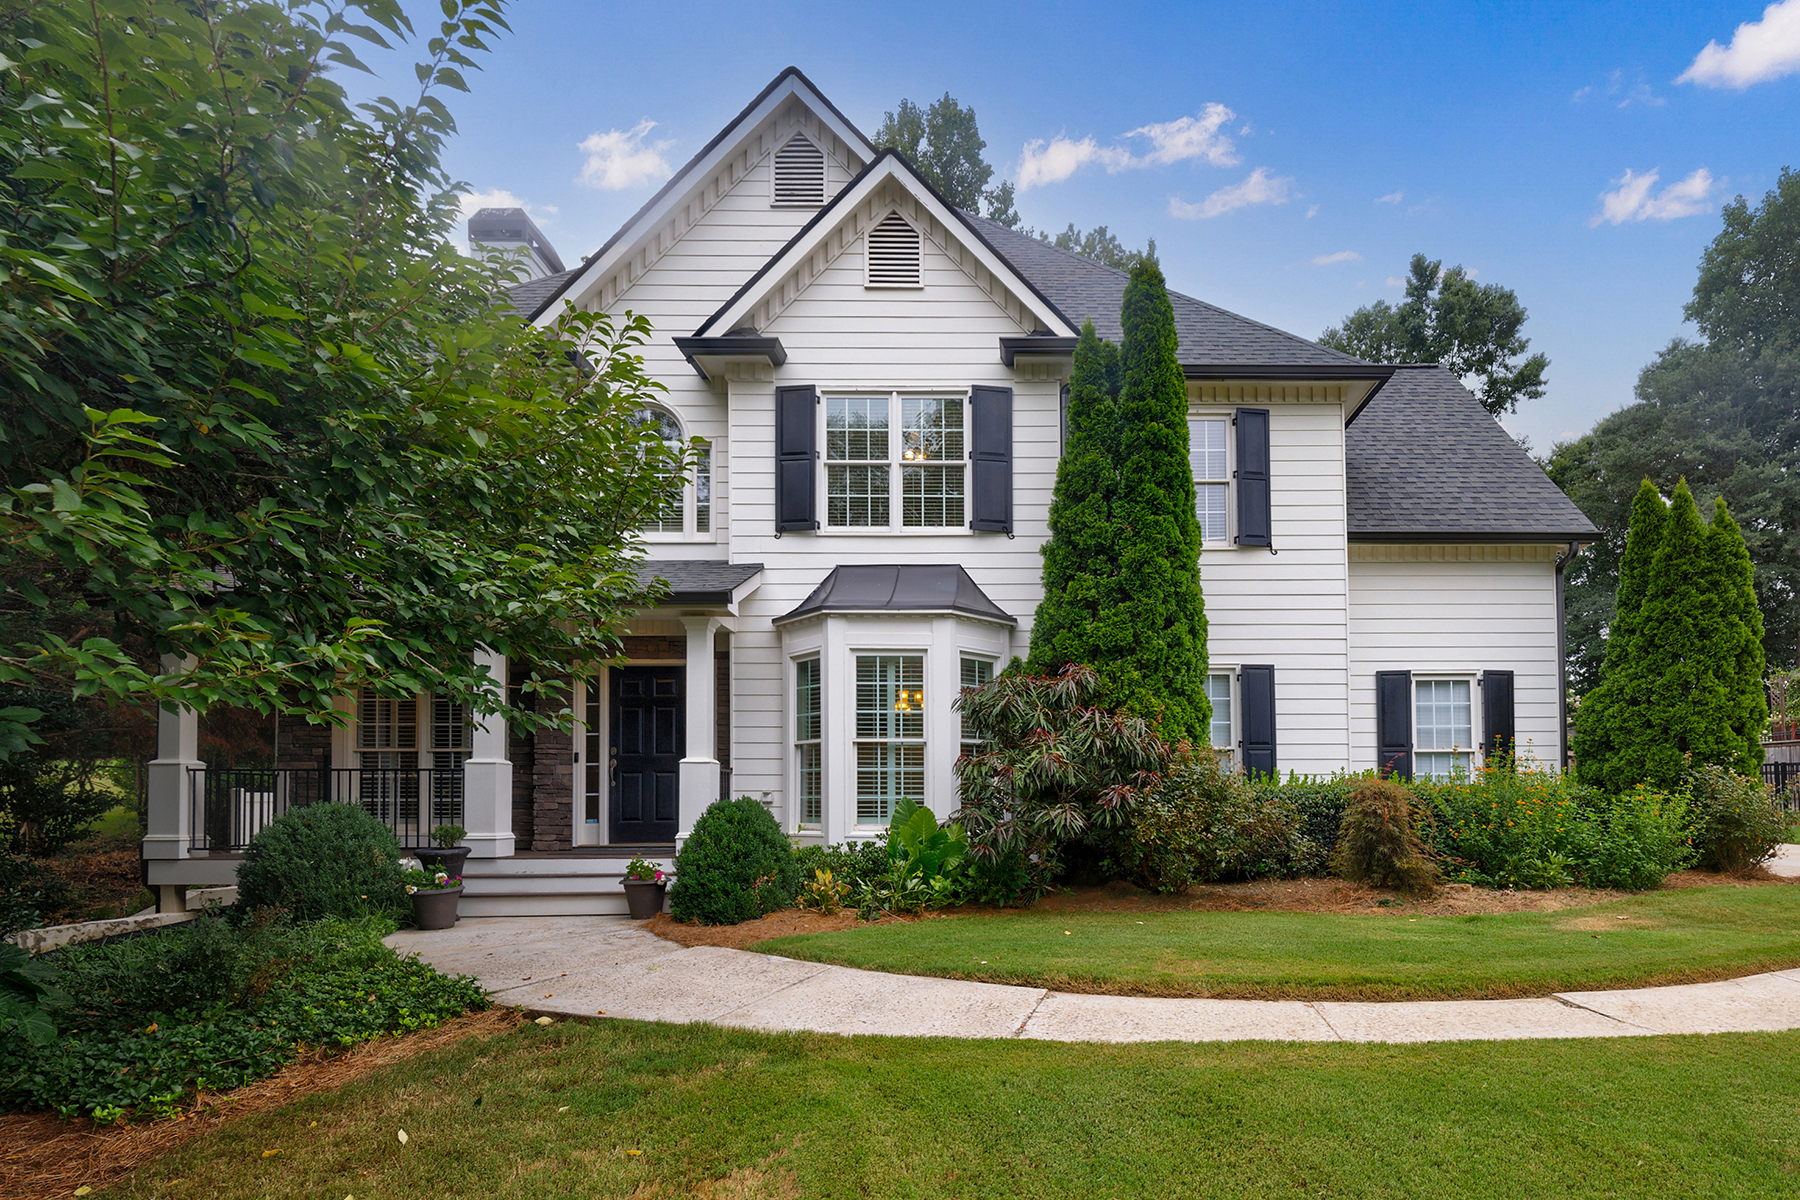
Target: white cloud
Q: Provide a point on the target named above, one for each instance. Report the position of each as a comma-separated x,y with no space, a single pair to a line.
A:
1342,256
1615,89
1189,137
1759,51
1312,211
1631,198
1259,188
1391,198
621,159
1055,161
1395,281
1042,162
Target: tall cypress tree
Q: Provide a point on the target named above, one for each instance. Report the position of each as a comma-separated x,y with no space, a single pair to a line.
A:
1738,650
1594,746
1160,614
1081,566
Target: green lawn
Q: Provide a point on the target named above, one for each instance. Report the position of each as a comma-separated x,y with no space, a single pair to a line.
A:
1666,937
116,822
554,1112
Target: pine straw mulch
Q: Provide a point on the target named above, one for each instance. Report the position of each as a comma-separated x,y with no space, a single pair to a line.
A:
1265,895
43,1156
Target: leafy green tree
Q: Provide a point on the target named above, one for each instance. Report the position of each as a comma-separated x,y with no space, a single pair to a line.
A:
1081,557
1472,329
944,144
259,413
1159,606
1748,293
1102,246
1594,745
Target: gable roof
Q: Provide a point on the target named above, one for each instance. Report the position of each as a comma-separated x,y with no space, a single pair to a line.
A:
791,81
1426,463
888,165
1210,336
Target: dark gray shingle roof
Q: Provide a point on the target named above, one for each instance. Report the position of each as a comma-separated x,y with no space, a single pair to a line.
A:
698,581
1084,290
1427,464
914,587
528,296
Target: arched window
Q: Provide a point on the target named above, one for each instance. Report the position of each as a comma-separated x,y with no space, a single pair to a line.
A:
673,518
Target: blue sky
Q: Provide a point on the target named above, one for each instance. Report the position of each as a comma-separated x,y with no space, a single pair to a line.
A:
1288,160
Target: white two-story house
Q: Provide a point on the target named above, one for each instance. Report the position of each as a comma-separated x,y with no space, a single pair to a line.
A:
878,383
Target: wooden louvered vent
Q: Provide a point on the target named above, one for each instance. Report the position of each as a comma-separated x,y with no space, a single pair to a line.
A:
894,253
799,172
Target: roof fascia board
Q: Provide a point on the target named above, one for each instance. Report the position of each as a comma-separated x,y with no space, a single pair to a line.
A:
1438,537
723,145
888,166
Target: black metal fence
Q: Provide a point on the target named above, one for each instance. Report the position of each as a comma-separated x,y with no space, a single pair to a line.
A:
1783,779
229,807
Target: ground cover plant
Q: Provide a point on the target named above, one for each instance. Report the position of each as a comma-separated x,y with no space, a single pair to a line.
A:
1671,936
141,1025
618,1108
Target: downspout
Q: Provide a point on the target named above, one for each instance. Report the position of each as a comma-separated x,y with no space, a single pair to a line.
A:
1562,660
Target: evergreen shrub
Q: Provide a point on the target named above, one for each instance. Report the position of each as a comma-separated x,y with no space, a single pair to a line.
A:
1320,801
1377,841
1633,841
1736,821
1206,822
324,860
736,866
849,862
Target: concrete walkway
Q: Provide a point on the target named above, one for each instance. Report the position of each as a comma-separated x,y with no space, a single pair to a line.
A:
609,966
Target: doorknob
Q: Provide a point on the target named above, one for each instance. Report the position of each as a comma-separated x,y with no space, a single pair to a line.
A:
612,768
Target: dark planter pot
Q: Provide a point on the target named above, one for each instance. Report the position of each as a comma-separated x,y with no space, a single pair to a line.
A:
435,908
644,897
450,860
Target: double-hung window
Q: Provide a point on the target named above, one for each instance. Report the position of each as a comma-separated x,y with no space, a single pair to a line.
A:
451,746
1218,690
865,465
808,740
890,734
1209,458
1443,727
672,518
975,673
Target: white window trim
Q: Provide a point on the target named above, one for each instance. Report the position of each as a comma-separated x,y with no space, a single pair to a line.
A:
690,492
896,485
1229,416
1469,755
924,741
815,655
1213,668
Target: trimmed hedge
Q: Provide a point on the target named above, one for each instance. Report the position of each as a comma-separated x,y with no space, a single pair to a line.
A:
324,860
736,866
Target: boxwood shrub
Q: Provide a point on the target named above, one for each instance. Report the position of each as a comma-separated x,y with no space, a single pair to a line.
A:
736,866
324,860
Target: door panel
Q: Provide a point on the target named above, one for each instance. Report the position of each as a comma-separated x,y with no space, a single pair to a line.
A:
648,740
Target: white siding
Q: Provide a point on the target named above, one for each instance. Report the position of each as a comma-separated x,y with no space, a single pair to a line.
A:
1287,608
839,334
1456,610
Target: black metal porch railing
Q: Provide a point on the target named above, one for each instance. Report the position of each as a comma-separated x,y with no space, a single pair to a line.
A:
229,807
1783,779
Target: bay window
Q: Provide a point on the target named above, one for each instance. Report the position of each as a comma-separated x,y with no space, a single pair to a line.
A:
890,734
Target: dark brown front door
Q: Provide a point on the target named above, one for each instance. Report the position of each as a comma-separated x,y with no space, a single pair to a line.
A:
649,736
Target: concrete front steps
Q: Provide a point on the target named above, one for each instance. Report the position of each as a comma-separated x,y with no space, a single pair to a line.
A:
575,883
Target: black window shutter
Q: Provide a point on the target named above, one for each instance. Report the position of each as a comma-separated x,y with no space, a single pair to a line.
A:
1256,688
1253,477
1393,723
1497,729
796,479
990,457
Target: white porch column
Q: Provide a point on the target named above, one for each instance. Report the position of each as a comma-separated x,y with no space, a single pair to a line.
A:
700,767
170,815
488,777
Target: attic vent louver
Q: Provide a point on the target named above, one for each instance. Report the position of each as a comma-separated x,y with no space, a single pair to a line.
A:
894,253
799,172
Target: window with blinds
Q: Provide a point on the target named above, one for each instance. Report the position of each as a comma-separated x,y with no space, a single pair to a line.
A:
896,254
975,673
1443,727
799,172
1207,456
890,734
808,731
